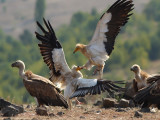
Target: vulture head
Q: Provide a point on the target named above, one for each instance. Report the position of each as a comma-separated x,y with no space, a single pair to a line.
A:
135,68
18,64
76,71
79,47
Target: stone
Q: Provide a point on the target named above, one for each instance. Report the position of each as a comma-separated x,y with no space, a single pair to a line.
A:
60,113
4,104
121,110
138,114
82,117
7,119
108,102
82,100
123,103
98,103
42,111
9,111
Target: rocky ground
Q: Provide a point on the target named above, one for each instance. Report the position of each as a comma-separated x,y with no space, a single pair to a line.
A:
87,112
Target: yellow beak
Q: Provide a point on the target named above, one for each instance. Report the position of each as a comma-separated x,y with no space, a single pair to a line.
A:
78,68
76,49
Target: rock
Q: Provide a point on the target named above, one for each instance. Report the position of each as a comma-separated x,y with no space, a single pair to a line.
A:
34,119
7,119
51,114
98,103
60,113
42,111
82,100
121,110
145,110
9,111
138,114
123,103
108,102
29,106
82,117
4,104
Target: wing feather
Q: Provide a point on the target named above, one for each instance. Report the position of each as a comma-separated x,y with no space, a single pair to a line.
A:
109,26
52,51
94,86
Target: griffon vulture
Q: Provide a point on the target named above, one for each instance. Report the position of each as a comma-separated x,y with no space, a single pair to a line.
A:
41,88
140,80
149,95
67,79
102,42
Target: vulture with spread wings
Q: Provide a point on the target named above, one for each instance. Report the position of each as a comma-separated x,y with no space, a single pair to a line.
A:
71,80
102,43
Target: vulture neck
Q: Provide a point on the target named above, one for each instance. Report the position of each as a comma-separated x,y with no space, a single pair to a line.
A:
21,71
138,75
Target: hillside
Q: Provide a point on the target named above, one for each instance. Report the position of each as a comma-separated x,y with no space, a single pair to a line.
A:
17,15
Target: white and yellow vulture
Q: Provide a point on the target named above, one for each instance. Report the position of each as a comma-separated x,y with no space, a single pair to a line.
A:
39,87
69,79
102,42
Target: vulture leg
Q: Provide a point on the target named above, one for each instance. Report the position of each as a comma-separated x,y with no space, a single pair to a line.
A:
69,103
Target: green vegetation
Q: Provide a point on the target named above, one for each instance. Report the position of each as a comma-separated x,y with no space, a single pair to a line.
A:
39,11
138,42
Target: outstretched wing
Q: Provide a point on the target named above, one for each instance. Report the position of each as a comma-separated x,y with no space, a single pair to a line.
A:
52,51
94,86
109,26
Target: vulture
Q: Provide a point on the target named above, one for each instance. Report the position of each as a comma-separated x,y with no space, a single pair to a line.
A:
149,95
102,43
140,80
39,87
68,79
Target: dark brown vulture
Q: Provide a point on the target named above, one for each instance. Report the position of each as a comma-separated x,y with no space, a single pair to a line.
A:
149,95
102,43
39,87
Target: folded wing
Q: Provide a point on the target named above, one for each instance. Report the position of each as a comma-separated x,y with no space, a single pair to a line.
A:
109,26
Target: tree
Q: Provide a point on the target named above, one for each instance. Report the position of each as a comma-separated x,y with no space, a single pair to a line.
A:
39,11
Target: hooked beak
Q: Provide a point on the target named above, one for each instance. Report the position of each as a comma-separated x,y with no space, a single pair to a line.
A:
79,68
76,49
132,69
13,64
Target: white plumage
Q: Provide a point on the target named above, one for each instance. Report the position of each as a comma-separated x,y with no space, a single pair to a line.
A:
71,80
102,42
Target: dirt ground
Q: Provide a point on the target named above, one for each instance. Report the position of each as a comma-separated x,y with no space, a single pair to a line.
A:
85,112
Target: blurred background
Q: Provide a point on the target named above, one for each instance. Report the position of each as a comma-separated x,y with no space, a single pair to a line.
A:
74,22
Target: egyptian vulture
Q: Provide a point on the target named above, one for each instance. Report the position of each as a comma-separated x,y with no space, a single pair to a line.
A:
102,43
140,79
39,87
149,95
66,78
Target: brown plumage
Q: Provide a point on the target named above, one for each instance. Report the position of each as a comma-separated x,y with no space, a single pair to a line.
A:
140,80
149,95
41,88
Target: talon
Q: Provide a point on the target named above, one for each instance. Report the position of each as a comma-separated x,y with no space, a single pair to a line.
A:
79,68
